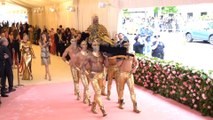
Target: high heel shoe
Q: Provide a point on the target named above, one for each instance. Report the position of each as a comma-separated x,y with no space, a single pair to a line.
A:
31,77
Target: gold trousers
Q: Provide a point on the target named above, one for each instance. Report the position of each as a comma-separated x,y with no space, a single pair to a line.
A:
96,77
112,72
27,71
75,75
102,82
126,77
84,80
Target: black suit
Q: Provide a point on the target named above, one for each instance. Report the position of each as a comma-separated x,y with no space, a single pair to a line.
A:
57,44
1,61
7,71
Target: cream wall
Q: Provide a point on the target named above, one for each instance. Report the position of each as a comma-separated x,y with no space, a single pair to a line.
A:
53,19
87,8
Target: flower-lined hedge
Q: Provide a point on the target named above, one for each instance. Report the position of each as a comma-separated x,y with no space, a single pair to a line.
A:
173,80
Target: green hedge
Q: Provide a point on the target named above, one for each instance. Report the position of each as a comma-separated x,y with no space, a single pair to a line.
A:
184,84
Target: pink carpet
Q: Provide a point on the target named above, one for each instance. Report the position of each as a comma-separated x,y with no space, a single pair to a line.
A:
57,102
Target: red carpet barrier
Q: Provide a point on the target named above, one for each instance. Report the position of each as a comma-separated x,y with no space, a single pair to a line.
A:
173,80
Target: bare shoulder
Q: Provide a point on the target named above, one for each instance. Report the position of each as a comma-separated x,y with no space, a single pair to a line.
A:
68,48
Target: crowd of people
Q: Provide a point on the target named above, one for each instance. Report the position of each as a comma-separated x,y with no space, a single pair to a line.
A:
149,45
147,34
93,57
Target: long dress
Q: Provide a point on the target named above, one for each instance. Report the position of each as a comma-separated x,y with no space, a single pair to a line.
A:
53,46
27,54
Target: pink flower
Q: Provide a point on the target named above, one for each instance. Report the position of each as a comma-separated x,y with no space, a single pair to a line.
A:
184,99
197,98
141,65
195,106
195,76
208,80
174,72
204,96
194,94
209,107
193,100
185,84
199,81
187,92
173,91
136,76
198,85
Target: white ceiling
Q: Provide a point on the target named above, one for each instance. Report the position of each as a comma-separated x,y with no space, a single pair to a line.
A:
34,3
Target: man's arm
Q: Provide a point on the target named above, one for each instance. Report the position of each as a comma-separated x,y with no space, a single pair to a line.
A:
135,64
83,65
65,54
77,58
117,57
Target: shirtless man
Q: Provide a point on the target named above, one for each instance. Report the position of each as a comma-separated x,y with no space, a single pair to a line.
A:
72,50
127,67
96,61
80,59
112,72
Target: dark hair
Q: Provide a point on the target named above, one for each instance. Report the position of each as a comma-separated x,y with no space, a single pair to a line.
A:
120,34
156,36
42,41
124,42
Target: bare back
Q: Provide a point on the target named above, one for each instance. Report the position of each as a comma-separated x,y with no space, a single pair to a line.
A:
126,65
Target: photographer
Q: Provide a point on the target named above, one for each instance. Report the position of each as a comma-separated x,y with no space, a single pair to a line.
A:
6,71
158,48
